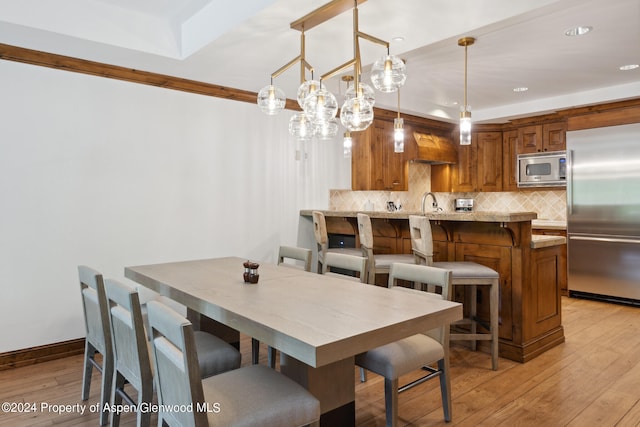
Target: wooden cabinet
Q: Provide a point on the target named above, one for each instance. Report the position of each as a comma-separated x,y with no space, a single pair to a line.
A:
548,281
479,166
374,164
530,282
509,159
539,138
562,256
489,161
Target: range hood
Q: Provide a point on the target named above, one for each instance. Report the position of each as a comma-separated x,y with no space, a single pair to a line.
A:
435,149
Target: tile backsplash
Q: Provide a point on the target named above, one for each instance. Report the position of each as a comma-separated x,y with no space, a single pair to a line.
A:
549,205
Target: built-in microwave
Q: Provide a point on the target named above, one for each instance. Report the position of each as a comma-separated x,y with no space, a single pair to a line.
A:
546,169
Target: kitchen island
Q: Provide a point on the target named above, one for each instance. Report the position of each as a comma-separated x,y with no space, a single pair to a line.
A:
532,269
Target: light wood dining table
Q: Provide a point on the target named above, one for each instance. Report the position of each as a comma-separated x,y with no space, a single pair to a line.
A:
318,323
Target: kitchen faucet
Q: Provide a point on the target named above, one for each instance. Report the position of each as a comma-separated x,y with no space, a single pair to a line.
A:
434,204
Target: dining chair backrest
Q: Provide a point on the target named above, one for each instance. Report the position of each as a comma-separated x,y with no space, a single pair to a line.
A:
365,232
421,239
351,263
295,253
96,314
130,348
320,228
425,275
175,360
98,336
421,274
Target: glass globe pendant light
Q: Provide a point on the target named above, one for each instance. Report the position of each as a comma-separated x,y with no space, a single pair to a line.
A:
271,99
321,105
356,114
388,73
326,130
465,113
365,91
300,126
305,89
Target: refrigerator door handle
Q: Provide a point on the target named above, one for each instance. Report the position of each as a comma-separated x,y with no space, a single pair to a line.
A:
570,182
605,239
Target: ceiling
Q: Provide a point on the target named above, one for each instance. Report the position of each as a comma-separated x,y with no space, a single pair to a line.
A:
239,44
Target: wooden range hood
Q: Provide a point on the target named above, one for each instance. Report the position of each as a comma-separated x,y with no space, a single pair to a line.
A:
435,149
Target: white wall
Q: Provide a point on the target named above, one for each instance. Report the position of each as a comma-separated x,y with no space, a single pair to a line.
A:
107,173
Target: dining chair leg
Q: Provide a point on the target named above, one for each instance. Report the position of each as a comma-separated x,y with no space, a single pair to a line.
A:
255,351
89,353
445,388
146,397
494,320
363,375
116,397
105,393
473,314
271,355
391,401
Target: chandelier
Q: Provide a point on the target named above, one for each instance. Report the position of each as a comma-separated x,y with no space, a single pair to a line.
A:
319,105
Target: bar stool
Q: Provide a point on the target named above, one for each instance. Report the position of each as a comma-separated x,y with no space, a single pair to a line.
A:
322,239
377,263
464,273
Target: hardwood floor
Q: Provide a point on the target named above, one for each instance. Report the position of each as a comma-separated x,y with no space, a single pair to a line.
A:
593,379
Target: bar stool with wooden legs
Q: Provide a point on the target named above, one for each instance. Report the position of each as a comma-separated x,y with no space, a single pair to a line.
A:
464,273
377,263
322,239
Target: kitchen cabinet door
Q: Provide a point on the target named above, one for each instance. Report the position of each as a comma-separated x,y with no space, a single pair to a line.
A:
374,164
509,159
540,138
553,136
489,161
479,166
530,139
465,173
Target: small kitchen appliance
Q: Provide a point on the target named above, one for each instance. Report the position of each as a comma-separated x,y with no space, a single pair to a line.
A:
464,205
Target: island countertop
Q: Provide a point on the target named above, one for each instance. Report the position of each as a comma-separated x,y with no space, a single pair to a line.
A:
479,216
532,268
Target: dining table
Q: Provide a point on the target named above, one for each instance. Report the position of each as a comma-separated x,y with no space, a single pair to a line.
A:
319,323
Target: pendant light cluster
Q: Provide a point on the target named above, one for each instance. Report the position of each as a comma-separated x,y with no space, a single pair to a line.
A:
318,117
465,109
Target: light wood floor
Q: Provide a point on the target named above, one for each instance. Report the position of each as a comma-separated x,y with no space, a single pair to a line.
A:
593,379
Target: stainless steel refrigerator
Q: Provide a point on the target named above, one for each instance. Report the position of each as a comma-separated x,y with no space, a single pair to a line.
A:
603,213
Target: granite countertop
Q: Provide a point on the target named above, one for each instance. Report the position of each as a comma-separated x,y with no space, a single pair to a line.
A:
541,241
486,216
549,224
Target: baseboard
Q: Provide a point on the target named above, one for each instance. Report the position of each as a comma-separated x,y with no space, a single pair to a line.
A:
43,353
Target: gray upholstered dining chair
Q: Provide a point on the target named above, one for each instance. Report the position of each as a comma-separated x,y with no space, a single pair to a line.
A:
322,240
418,351
284,253
463,273
345,262
132,355
296,254
377,263
254,395
98,336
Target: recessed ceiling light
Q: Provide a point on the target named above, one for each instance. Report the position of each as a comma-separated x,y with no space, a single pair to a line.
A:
629,67
520,89
398,39
578,31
